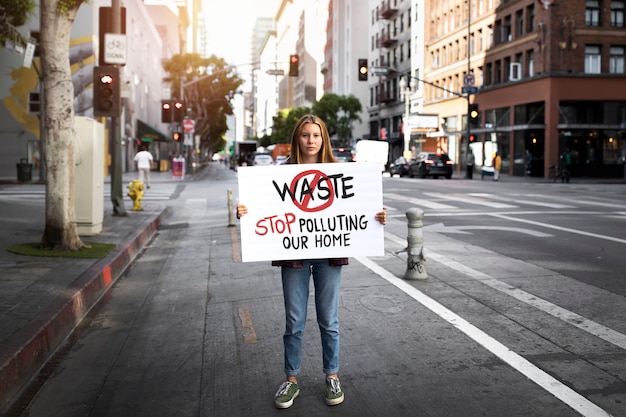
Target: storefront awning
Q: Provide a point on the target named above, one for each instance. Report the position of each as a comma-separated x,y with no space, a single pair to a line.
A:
147,133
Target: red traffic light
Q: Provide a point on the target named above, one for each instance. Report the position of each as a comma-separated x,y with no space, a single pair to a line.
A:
294,61
106,79
107,100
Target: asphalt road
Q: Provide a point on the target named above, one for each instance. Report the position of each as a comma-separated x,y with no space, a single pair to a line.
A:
522,314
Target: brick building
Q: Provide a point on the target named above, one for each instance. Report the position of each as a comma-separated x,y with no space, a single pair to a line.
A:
551,77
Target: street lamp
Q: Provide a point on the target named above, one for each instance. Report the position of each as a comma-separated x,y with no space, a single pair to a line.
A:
405,94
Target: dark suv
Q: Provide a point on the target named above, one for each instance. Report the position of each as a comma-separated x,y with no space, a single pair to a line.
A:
430,164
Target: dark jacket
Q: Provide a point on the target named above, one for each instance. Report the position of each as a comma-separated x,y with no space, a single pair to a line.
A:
299,263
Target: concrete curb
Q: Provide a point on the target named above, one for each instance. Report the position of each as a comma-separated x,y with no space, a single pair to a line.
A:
22,357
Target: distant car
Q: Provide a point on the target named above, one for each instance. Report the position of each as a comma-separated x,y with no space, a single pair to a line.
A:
399,167
430,164
263,159
343,154
280,159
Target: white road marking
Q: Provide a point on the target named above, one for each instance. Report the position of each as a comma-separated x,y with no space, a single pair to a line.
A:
568,396
563,229
471,200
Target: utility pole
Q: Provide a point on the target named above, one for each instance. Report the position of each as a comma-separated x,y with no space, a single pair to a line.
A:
115,134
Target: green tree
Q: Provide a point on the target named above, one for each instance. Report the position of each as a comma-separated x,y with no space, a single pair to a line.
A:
208,86
14,13
284,122
57,17
339,113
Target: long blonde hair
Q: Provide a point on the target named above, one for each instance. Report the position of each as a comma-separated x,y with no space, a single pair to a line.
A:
326,151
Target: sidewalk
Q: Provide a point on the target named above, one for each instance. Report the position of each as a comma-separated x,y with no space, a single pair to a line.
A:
44,299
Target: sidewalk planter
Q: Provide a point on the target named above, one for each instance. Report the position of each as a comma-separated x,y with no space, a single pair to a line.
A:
24,170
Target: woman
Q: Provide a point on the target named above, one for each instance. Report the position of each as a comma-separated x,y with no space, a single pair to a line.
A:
310,144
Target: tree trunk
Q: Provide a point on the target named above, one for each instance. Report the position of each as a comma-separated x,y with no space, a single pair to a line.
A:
60,232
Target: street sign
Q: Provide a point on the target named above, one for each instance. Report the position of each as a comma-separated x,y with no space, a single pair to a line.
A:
114,48
189,125
275,72
468,80
380,70
466,89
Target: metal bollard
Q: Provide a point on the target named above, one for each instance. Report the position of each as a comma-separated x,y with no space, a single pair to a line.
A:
415,250
231,213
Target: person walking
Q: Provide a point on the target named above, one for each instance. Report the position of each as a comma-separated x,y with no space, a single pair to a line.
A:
144,161
310,144
528,163
470,164
497,164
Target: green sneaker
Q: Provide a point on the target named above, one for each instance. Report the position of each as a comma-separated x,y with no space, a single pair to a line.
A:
334,394
285,395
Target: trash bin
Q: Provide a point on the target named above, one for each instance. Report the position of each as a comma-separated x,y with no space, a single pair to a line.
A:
24,170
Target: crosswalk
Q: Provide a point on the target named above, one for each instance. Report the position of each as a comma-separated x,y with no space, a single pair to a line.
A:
444,204
431,202
160,192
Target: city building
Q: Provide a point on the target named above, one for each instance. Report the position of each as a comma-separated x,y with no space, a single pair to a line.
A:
153,38
550,78
345,46
395,49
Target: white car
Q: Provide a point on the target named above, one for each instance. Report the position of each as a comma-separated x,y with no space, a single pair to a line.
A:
263,159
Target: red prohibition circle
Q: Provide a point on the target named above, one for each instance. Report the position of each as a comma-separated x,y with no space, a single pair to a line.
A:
318,177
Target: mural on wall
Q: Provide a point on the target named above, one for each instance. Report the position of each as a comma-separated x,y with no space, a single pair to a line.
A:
26,81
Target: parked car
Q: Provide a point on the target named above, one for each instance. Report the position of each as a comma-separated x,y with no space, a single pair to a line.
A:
343,154
430,164
399,167
263,159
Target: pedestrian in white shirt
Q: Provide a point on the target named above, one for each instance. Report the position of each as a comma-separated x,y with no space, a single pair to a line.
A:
144,160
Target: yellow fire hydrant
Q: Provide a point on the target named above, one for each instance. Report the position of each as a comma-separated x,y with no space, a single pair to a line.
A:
135,192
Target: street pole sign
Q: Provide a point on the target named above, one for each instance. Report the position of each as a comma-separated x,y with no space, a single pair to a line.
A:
189,125
469,89
114,48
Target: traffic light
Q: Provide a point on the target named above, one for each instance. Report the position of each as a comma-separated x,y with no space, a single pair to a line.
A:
178,111
176,136
294,61
166,111
107,101
474,115
472,138
363,70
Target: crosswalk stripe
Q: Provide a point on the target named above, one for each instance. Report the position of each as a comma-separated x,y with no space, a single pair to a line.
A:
420,202
471,200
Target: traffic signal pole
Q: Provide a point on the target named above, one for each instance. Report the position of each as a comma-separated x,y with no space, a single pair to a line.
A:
115,135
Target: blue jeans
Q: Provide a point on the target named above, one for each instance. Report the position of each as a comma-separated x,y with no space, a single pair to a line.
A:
327,281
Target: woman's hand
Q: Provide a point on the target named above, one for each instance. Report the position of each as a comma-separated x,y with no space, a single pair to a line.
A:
241,210
381,216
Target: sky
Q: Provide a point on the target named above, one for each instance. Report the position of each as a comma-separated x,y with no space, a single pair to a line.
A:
230,24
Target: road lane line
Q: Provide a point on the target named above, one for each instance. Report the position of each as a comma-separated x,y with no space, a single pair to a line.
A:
563,229
568,396
583,323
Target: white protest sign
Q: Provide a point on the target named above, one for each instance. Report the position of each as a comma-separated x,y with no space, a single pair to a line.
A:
311,211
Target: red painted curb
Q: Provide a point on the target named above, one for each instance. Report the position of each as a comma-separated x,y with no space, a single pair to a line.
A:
23,356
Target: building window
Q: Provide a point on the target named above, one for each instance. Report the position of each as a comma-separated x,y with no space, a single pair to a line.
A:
592,13
519,17
592,59
617,14
531,63
530,11
616,60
